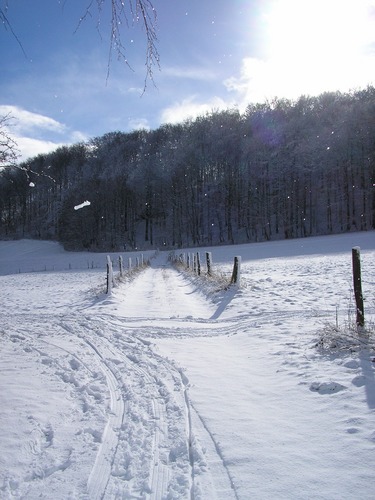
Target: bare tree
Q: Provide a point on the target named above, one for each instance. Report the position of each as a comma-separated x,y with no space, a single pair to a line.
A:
8,147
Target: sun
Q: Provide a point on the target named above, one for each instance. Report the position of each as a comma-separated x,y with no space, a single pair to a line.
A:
318,45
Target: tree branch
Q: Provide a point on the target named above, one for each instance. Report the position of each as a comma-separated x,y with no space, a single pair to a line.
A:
9,152
129,13
4,20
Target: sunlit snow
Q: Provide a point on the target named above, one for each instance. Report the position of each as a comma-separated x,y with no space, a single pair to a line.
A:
176,388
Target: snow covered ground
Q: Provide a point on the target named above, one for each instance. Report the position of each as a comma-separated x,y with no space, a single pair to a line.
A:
174,389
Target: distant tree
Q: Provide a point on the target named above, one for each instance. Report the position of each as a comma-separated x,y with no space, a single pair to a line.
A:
282,170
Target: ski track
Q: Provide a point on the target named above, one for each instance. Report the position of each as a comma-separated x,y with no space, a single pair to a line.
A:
101,471
100,484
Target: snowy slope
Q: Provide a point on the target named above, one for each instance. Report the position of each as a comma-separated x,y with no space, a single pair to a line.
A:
171,388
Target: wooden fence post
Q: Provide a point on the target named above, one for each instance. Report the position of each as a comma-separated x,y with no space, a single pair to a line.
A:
130,263
236,275
198,264
121,265
109,275
209,263
360,316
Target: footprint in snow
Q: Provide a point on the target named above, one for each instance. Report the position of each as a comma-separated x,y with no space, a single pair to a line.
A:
359,381
352,430
352,364
326,387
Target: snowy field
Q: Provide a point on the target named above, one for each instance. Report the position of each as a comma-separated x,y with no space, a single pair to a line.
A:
174,389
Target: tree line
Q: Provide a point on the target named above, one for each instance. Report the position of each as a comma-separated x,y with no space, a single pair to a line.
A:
282,169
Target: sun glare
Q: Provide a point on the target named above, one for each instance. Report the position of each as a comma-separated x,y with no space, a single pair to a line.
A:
317,45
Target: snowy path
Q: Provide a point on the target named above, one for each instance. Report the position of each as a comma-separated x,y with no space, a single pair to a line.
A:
162,302
160,293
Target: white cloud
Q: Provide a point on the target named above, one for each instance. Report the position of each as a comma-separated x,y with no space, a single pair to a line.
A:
37,134
33,147
189,108
26,121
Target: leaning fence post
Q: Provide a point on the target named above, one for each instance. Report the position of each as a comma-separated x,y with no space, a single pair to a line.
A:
357,281
236,275
209,263
109,275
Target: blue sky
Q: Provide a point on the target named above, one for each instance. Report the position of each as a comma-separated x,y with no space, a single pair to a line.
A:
214,54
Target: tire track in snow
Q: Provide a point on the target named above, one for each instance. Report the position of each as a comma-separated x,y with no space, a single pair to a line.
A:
159,471
101,471
185,382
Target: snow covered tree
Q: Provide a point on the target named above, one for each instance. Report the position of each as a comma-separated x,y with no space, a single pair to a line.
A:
282,170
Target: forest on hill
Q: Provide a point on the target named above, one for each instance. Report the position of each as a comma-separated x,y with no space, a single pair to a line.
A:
282,169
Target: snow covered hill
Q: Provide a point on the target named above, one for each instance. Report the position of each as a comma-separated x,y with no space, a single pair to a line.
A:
164,390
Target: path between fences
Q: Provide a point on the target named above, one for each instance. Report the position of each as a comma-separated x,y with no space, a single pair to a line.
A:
161,291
